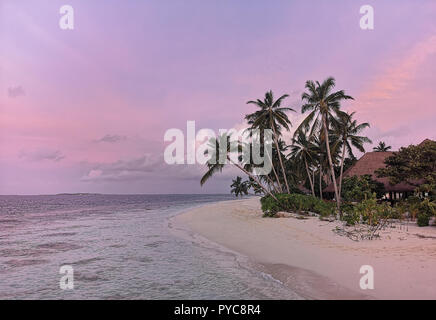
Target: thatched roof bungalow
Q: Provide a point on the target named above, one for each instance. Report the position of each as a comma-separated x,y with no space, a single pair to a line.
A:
368,164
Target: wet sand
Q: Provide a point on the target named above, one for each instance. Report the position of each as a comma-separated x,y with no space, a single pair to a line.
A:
310,258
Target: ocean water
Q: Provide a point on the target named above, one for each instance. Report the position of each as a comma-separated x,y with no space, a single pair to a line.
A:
120,247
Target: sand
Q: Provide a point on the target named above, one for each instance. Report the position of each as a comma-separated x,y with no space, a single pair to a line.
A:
310,258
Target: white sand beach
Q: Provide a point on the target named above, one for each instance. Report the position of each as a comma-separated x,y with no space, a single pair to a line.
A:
309,257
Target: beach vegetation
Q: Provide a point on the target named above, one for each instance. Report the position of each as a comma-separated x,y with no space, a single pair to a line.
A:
423,220
297,203
323,104
318,154
359,188
420,209
272,115
239,187
367,218
415,164
347,131
216,163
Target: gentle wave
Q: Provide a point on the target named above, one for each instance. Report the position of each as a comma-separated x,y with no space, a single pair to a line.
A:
120,247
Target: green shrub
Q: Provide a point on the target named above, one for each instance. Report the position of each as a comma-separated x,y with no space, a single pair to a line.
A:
324,209
384,212
399,211
295,203
412,200
269,206
349,214
347,207
351,218
358,188
427,207
423,220
367,210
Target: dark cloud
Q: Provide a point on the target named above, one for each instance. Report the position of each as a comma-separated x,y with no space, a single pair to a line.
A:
112,138
41,155
15,92
150,167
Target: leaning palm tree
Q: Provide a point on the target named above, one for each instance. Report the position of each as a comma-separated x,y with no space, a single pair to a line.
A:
346,130
381,147
253,185
302,149
266,177
271,116
270,159
219,156
322,103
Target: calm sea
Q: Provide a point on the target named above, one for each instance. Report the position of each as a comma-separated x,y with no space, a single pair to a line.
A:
120,247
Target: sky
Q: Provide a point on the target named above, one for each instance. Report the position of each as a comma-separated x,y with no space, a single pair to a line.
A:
86,110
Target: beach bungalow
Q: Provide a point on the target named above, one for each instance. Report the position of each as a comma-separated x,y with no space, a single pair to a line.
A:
367,165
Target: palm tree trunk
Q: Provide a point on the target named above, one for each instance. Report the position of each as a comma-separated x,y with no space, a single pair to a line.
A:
310,179
342,170
253,177
275,173
335,186
313,179
320,181
280,157
271,182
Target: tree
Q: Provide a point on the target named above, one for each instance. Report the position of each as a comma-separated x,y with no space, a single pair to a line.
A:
239,187
347,130
302,149
253,185
271,116
381,147
359,188
270,158
321,156
412,164
220,156
321,102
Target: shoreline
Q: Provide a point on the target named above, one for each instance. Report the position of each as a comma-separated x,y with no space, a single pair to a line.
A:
309,258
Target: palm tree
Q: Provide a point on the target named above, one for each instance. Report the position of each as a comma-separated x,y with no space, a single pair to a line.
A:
270,180
216,163
382,147
271,116
346,130
322,102
256,188
322,161
302,149
239,188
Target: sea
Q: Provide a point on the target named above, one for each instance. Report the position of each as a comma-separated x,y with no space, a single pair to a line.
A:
95,246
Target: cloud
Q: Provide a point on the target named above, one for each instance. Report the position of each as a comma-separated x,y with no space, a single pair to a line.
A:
400,73
150,167
122,170
14,92
112,138
42,155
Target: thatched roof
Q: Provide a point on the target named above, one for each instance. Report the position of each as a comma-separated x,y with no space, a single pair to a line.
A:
367,164
425,141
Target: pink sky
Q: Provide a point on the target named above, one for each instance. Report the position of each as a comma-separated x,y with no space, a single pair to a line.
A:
85,110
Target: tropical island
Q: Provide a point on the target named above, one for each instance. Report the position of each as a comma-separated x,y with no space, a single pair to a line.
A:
318,172
323,213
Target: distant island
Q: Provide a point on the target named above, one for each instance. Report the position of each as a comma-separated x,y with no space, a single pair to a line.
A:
77,194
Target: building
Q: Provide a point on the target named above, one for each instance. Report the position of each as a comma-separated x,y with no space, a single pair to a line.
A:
367,165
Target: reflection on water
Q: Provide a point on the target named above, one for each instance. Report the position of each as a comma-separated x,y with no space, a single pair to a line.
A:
120,247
